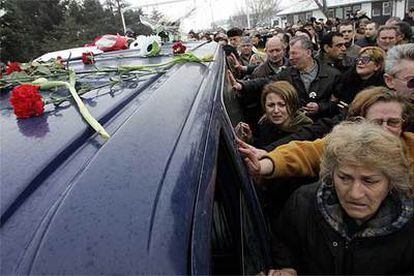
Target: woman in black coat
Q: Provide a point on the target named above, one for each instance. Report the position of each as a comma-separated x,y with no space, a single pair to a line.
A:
368,71
359,218
282,117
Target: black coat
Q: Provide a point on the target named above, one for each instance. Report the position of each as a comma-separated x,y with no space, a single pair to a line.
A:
267,132
314,247
265,70
324,85
351,84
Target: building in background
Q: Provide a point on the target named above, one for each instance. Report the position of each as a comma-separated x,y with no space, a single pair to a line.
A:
379,11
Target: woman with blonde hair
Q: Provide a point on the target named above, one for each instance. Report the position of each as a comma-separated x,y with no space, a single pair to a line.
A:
282,117
358,218
367,71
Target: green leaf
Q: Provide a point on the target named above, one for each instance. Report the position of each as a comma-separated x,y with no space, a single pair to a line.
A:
41,69
16,76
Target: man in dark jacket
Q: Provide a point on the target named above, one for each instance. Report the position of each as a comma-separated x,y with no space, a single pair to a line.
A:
333,52
275,59
314,81
370,38
347,29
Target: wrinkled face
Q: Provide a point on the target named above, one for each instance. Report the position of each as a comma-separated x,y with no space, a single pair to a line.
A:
386,39
402,81
276,110
246,49
365,66
338,49
370,30
388,115
275,51
235,41
347,31
298,56
360,190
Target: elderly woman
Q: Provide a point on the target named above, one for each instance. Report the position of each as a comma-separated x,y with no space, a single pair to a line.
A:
282,116
368,71
358,218
302,158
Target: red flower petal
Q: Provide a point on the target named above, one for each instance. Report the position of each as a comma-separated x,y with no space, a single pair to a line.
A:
13,67
27,101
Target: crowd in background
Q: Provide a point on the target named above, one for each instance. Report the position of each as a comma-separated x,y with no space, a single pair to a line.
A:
332,102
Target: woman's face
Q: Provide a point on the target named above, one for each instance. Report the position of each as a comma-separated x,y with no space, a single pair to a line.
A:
388,115
360,190
365,66
276,109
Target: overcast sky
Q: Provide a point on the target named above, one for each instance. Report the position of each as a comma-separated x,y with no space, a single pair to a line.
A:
206,10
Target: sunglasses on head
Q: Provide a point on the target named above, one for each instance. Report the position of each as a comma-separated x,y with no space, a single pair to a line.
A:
392,122
363,60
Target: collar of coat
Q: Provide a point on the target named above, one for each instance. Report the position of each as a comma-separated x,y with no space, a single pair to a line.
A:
394,213
322,70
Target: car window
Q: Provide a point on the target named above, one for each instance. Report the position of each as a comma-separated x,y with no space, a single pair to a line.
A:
232,103
236,247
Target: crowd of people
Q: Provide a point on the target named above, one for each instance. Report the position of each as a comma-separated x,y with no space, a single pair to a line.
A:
328,111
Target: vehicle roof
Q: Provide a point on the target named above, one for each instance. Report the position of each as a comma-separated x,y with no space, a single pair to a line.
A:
72,203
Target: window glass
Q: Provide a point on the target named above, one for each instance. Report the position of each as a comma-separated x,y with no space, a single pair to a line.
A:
376,9
235,247
348,12
339,13
386,8
295,18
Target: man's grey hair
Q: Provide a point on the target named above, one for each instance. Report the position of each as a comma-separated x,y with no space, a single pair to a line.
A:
273,39
304,42
395,55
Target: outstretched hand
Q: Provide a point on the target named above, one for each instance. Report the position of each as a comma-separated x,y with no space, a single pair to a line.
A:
251,157
233,82
244,132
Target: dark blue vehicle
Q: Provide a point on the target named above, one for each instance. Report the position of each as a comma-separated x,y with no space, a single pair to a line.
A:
167,194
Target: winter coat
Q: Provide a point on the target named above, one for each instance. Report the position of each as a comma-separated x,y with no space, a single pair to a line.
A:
323,87
265,70
365,42
312,236
302,158
342,65
267,132
347,92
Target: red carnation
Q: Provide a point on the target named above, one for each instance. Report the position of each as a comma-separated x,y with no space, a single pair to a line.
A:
178,48
13,67
88,58
27,101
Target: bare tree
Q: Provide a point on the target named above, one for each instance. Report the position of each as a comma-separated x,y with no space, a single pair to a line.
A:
262,11
322,7
156,15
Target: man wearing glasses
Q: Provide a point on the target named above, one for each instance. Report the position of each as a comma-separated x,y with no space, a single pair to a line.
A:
399,70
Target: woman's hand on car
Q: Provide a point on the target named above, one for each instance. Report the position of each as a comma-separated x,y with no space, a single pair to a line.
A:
244,132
